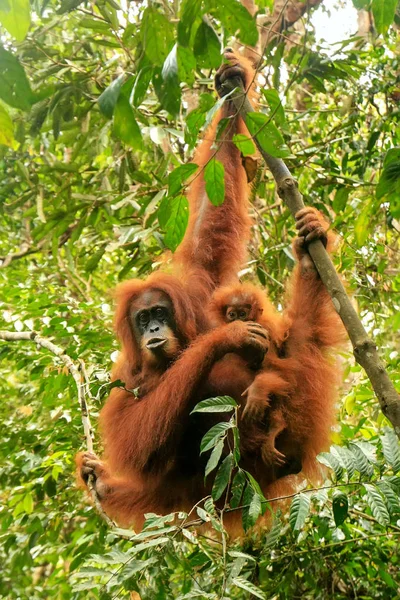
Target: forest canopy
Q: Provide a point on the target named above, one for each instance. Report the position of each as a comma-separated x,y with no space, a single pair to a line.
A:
101,107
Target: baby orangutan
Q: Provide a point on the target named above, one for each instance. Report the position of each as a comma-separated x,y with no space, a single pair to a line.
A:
246,302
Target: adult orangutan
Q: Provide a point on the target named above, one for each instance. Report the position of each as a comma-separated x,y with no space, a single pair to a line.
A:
170,359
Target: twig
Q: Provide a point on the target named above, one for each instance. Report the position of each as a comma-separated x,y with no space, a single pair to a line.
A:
76,372
363,347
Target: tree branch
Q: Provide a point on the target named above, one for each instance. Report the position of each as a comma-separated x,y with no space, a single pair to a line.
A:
78,375
363,347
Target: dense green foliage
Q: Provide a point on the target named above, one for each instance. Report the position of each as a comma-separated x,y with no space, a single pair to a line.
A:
99,109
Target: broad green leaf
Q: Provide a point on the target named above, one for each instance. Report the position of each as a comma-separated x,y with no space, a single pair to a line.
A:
392,499
377,504
340,506
327,459
166,84
213,435
345,458
239,481
268,136
218,404
255,509
275,104
249,587
190,10
125,126
207,47
141,85
28,503
361,462
340,200
298,511
178,176
236,19
214,177
392,155
196,119
157,35
108,99
244,143
383,11
273,534
214,457
390,179
6,128
17,18
177,222
391,449
362,224
222,477
14,85
94,260
186,65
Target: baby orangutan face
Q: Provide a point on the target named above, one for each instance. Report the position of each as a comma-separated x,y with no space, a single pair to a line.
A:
238,312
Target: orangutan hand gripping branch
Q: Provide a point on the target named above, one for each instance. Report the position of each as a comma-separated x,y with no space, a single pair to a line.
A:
173,356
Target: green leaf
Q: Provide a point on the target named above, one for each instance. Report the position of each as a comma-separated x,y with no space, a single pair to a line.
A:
28,503
14,85
298,511
213,405
392,155
391,449
207,47
125,127
157,35
141,85
244,143
345,458
94,260
255,509
361,462
166,84
248,586
275,104
178,176
239,481
362,224
391,497
214,457
390,179
268,136
189,11
6,128
186,65
340,506
383,11
17,18
177,222
213,435
108,99
327,459
237,20
340,200
273,535
222,477
377,504
214,177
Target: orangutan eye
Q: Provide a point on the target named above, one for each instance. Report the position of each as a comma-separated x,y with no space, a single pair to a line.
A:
143,317
243,314
231,315
160,313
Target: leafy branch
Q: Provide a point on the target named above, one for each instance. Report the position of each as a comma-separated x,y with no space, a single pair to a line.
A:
79,376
